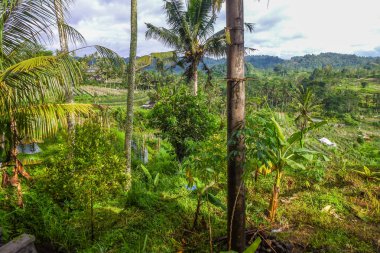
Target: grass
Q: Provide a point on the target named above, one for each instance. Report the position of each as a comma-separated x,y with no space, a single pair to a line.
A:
325,208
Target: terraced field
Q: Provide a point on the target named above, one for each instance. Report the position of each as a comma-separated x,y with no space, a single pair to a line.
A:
372,85
107,96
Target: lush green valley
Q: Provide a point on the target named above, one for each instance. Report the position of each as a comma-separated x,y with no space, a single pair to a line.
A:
328,202
308,148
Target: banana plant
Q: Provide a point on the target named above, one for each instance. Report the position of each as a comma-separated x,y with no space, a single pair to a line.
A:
274,152
152,182
202,190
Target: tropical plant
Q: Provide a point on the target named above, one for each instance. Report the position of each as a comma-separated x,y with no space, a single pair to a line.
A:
131,89
91,175
191,34
204,170
153,182
272,151
63,39
29,78
181,118
306,107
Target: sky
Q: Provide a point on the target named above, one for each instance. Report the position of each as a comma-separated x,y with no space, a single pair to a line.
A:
283,28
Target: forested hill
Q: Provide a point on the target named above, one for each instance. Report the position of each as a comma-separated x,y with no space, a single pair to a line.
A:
312,61
307,62
258,61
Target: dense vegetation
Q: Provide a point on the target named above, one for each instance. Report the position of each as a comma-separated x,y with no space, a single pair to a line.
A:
312,161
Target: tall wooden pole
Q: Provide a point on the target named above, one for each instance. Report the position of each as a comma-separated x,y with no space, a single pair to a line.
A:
235,123
131,88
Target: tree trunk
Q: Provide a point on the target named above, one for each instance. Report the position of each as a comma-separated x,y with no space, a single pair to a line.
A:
195,82
131,88
18,167
235,122
65,49
3,141
275,194
197,211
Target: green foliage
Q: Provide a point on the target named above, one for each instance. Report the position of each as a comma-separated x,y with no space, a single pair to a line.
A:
345,101
268,147
347,118
368,174
152,182
251,249
204,171
254,246
181,118
191,47
89,168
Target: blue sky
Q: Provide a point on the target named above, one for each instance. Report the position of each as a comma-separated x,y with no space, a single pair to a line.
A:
284,28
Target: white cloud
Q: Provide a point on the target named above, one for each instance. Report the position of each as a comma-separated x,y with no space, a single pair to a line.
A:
285,28
343,26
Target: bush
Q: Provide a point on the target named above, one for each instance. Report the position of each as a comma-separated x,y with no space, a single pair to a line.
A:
183,117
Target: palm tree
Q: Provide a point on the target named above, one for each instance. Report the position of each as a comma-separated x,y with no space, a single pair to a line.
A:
59,13
306,106
131,88
191,34
29,79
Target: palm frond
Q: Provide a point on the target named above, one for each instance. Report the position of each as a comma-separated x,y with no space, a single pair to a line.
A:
198,15
174,13
216,45
40,121
22,20
164,35
73,36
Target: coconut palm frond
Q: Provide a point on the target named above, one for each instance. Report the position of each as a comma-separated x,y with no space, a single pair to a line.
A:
216,45
190,32
199,15
109,55
175,14
40,121
41,71
27,20
208,29
167,37
73,36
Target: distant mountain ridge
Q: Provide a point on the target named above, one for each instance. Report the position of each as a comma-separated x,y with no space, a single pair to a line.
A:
306,62
311,61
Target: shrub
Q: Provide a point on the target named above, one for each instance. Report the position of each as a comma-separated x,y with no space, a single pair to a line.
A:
182,117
